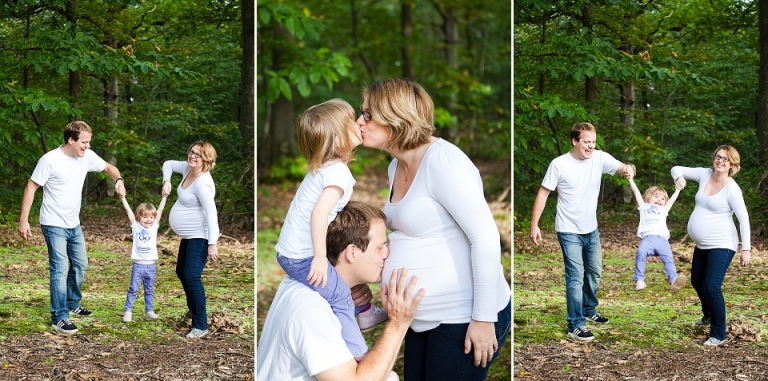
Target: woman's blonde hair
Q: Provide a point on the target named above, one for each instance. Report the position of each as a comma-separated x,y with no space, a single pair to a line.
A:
404,109
207,153
733,158
145,209
652,190
323,133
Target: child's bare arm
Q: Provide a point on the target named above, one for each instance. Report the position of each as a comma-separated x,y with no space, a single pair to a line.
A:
673,198
160,208
128,210
318,228
636,192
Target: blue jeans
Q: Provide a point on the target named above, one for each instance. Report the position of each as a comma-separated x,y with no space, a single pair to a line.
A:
583,268
141,274
655,245
707,273
193,253
338,295
438,354
68,260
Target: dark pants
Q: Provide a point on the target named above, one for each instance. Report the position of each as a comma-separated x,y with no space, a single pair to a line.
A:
707,274
193,253
438,354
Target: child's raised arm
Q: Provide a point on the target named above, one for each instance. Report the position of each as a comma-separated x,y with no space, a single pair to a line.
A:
128,210
636,192
678,187
318,225
160,208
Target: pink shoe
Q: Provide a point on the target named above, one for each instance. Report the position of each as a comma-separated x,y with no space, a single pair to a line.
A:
371,318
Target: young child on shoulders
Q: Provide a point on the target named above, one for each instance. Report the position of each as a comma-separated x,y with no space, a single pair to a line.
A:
327,137
144,225
654,205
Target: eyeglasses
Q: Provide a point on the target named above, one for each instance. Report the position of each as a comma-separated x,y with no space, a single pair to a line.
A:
193,153
366,115
723,158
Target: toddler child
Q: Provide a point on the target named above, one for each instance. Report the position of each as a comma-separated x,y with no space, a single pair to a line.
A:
327,137
654,208
144,225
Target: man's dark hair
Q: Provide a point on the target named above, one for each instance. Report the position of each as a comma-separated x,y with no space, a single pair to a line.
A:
351,227
74,129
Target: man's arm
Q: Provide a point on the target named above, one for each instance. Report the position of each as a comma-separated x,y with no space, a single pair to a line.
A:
114,174
26,205
538,209
377,363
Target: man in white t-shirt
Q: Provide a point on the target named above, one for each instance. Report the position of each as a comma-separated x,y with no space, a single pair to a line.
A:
301,338
61,172
577,175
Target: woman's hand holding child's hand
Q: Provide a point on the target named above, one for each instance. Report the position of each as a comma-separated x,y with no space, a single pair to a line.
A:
318,272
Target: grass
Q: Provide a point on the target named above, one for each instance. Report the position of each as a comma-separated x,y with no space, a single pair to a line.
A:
651,318
24,294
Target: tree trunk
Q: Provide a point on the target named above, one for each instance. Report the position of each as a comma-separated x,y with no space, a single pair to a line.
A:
356,41
590,83
627,108
762,87
407,30
247,91
283,130
74,76
451,39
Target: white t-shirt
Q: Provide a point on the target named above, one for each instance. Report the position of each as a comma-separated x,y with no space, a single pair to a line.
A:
62,178
711,223
444,232
295,240
301,336
653,221
144,248
578,187
194,213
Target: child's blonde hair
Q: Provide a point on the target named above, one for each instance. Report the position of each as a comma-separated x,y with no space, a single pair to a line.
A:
323,133
652,190
145,209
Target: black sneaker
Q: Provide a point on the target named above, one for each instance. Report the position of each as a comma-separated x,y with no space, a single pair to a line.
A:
597,318
65,326
581,334
82,311
701,323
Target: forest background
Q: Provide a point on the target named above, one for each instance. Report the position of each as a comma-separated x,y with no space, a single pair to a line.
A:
312,51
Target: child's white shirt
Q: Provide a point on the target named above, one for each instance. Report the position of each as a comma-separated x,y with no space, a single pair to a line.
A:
295,240
653,221
144,243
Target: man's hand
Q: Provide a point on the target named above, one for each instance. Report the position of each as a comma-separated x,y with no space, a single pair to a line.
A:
397,300
24,230
120,188
361,295
535,235
481,335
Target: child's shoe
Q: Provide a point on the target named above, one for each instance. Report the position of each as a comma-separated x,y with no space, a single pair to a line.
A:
152,315
678,283
639,285
371,317
127,316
